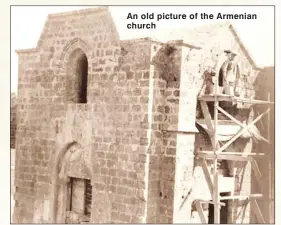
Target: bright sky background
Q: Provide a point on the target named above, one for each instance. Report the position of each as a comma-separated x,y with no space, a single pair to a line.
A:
257,35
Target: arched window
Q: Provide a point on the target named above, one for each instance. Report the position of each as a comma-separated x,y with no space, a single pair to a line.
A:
77,77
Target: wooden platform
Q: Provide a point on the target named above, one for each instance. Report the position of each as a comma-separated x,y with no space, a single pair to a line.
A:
223,97
238,156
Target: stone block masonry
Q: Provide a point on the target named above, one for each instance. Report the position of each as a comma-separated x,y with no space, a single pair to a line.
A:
13,125
117,117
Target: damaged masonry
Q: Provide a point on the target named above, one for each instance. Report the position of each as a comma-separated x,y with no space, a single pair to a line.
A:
141,131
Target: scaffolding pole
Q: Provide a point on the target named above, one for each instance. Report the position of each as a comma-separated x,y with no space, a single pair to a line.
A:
218,154
216,194
271,175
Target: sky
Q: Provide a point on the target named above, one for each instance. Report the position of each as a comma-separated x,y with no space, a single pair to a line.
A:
27,23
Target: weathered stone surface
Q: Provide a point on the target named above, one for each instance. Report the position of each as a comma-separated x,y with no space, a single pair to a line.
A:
134,134
13,125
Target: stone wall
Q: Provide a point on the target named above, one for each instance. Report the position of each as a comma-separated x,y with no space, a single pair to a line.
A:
135,132
13,122
112,126
178,131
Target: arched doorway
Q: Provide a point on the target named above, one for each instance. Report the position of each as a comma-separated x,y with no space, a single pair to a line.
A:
72,190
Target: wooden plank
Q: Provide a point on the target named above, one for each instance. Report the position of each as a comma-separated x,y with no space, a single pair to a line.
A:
216,194
208,121
259,117
241,124
241,197
230,116
262,125
223,97
234,153
251,101
236,136
239,133
207,116
202,88
211,98
270,169
225,157
200,211
235,157
256,170
257,173
211,202
257,211
207,175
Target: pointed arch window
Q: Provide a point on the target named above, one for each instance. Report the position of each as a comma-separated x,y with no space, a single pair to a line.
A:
77,77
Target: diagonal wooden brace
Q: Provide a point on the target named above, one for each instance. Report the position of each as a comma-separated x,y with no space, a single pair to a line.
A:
257,171
207,116
207,175
200,211
239,123
240,132
210,126
257,211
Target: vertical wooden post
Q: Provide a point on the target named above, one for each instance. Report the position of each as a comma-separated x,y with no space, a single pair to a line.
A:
270,171
268,119
215,163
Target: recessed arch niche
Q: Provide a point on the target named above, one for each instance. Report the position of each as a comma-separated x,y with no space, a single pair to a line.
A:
72,166
77,76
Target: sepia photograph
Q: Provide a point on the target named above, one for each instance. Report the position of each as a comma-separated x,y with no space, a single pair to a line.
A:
142,114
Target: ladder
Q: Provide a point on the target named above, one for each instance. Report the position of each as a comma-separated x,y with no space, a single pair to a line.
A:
218,154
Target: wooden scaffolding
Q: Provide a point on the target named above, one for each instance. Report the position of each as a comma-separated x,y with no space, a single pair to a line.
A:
218,153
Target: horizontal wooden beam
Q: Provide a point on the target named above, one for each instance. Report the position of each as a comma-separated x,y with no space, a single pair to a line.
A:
233,153
223,156
241,197
222,97
211,202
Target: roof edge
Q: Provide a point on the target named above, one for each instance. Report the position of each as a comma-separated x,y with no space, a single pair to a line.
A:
245,51
153,40
80,11
28,50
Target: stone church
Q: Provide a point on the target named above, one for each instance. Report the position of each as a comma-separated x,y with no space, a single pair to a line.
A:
106,128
